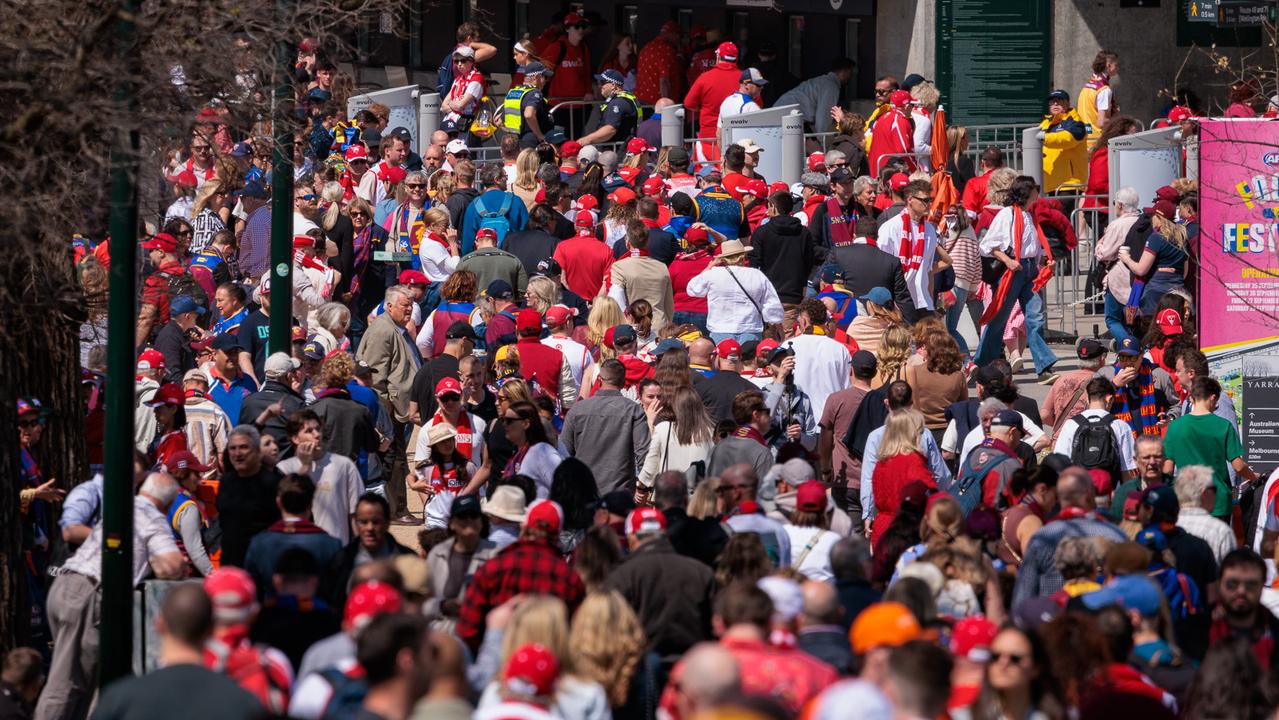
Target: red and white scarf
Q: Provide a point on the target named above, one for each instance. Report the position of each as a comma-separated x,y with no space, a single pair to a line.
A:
910,249
749,431
465,438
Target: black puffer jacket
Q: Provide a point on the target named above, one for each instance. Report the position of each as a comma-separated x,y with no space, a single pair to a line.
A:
786,252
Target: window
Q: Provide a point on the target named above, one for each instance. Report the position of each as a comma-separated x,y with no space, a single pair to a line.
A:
628,20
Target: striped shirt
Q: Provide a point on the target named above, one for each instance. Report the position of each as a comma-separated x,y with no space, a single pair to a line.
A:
207,430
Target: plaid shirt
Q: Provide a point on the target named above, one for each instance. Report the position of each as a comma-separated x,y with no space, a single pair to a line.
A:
526,566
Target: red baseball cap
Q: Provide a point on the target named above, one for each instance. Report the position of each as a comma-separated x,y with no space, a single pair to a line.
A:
755,187
1180,114
186,460
232,593
161,241
645,520
413,277
654,186
629,174
573,19
1169,322
810,496
391,173
448,385
726,51
777,187
729,347
170,394
151,359
816,161
570,148
696,236
187,179
623,196
355,152
584,219
298,333
898,181
559,314
765,348
587,202
971,638
544,515
637,145
528,319
1164,208
485,232
900,98
367,601
531,671
303,241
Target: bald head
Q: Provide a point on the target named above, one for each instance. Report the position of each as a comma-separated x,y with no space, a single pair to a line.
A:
711,674
662,104
1074,488
670,490
186,618
821,603
741,475
700,351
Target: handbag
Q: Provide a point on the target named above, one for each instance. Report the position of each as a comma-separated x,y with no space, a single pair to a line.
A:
762,321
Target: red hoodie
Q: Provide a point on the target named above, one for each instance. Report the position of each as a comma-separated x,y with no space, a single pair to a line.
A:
1047,213
811,204
891,135
709,91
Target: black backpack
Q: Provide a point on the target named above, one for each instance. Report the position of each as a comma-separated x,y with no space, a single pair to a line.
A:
1094,446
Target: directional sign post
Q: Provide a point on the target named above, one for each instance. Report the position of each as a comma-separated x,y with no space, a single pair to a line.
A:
1261,412
1251,13
1204,11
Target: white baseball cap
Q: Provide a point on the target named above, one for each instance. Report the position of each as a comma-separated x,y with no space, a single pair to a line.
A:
456,146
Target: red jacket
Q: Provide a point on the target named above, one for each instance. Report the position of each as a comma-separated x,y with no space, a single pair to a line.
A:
756,213
974,198
891,135
891,476
586,261
684,268
1047,213
1098,179
541,363
709,91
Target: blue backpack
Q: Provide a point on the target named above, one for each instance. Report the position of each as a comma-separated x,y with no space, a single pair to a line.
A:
1181,592
497,219
348,694
967,488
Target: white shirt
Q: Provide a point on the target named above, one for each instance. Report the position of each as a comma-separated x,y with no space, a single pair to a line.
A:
337,490
736,104
823,367
977,435
730,310
999,236
437,263
1103,99
816,565
366,189
1120,429
539,463
425,339
575,354
152,536
918,280
1200,523
923,137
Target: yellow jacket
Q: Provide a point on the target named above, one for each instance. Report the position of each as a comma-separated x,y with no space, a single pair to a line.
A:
1065,150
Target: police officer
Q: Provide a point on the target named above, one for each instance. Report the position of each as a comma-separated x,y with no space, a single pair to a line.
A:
526,112
620,113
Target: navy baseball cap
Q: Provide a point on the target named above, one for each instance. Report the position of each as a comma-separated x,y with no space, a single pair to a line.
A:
253,189
500,289
752,75
185,304
878,295
1059,94
623,333
465,506
1162,499
1090,349
226,342
1128,346
1131,592
1008,418
865,361
313,351
537,68
664,346
611,76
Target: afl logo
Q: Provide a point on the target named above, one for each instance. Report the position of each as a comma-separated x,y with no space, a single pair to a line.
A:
835,4
1271,159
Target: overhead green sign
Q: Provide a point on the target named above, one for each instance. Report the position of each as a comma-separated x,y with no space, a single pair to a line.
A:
994,59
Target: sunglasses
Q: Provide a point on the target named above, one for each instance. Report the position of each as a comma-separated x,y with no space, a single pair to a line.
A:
200,148
307,198
415,186
450,397
360,214
925,200
29,424
1013,658
883,91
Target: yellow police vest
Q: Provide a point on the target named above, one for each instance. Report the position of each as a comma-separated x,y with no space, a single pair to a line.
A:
513,115
639,111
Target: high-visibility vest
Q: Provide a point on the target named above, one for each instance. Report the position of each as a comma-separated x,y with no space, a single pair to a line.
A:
639,111
513,115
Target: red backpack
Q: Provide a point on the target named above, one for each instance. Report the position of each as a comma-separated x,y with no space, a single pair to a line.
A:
251,668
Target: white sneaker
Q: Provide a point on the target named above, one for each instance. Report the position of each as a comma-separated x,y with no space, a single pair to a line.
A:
1017,364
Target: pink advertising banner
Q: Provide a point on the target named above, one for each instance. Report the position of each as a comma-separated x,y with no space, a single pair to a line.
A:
1238,233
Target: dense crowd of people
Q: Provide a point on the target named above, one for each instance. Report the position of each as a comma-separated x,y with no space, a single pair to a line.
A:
620,430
